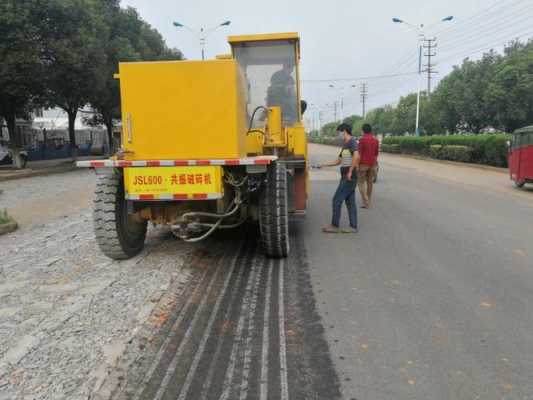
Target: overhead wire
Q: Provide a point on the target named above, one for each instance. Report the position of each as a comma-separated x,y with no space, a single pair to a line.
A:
475,51
471,22
497,15
464,37
494,29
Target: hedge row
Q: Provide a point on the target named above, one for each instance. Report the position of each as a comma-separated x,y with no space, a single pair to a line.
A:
324,140
479,149
452,152
390,148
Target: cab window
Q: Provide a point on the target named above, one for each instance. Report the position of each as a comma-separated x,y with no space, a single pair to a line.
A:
270,71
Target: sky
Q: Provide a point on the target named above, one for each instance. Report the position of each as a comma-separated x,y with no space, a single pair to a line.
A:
345,43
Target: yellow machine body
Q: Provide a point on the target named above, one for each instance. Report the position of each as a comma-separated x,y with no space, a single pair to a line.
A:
183,110
289,137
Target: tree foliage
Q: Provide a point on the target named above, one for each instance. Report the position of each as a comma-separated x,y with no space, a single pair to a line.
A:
64,53
130,39
330,129
21,59
495,92
73,72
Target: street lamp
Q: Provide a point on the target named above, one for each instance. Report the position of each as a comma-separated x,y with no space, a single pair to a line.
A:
202,34
421,36
319,115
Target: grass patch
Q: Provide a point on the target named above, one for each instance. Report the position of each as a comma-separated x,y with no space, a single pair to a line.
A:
5,218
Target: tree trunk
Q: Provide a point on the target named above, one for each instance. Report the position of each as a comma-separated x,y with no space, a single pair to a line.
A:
12,129
72,113
14,140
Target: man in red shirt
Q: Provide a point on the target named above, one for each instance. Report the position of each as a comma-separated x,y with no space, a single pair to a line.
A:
368,151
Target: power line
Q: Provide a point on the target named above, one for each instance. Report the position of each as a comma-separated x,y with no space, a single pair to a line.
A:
505,24
485,46
500,35
473,19
461,28
358,78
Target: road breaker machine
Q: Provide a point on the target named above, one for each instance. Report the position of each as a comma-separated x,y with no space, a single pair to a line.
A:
207,145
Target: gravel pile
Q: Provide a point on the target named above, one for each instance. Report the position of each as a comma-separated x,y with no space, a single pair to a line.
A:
67,313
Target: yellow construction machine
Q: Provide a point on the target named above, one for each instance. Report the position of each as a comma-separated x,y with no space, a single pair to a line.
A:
207,145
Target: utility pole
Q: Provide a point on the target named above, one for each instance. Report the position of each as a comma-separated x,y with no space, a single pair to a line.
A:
429,46
364,95
417,124
342,109
335,108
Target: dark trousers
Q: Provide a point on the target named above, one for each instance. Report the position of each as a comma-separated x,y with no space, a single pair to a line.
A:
345,193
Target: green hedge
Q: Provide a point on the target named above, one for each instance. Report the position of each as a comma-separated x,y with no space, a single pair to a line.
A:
483,149
456,153
324,140
390,148
435,151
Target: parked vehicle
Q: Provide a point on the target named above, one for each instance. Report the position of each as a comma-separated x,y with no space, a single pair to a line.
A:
207,145
6,156
521,156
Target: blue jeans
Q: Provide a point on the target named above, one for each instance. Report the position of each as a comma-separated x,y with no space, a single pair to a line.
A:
345,193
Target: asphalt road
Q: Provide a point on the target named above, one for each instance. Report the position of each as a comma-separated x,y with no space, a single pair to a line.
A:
433,299
245,327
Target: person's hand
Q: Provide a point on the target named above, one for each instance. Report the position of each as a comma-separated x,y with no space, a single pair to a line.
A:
349,175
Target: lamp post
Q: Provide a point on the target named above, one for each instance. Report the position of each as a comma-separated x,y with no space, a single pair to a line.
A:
318,115
202,34
419,29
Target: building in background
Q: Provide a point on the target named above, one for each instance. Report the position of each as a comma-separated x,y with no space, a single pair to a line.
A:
46,136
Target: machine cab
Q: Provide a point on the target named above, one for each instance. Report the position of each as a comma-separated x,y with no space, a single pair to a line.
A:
270,65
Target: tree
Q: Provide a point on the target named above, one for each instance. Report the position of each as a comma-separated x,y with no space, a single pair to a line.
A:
73,74
356,122
510,91
21,64
130,39
381,119
329,129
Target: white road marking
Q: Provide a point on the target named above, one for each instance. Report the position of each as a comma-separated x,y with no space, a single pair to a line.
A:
247,361
201,347
164,347
220,338
282,339
174,363
248,300
263,385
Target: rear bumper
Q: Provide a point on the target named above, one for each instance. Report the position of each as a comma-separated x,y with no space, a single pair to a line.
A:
173,197
261,160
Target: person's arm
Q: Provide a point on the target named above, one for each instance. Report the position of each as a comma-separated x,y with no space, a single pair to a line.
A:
355,165
332,163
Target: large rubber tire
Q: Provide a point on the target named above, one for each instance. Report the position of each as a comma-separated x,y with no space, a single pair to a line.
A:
119,235
274,213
